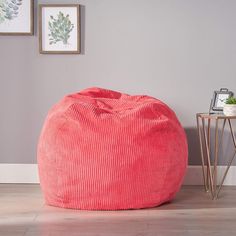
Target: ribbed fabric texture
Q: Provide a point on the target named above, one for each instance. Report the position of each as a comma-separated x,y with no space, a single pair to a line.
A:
104,150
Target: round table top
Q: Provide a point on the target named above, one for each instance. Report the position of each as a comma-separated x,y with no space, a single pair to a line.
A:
215,116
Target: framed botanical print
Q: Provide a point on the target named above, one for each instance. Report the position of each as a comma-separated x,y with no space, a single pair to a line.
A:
59,29
16,17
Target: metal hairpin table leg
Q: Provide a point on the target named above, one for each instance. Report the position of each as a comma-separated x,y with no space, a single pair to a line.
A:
218,146
230,161
207,145
215,157
199,128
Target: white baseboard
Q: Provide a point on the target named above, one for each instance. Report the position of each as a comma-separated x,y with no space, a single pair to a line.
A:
19,173
28,173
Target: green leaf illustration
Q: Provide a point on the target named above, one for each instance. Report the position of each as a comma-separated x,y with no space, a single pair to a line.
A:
60,29
9,9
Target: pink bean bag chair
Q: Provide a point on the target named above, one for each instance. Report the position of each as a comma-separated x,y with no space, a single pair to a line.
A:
104,150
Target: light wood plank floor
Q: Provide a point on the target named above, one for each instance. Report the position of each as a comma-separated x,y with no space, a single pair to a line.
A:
23,213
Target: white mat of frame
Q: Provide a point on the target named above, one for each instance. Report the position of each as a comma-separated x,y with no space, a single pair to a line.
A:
28,173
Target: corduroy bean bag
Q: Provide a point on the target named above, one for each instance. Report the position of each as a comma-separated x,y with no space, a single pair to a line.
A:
104,150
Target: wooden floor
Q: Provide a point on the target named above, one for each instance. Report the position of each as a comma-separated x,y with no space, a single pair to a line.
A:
22,212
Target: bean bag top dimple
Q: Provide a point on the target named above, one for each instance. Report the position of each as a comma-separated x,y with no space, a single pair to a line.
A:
104,150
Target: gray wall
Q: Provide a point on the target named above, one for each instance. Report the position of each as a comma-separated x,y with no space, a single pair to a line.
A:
176,50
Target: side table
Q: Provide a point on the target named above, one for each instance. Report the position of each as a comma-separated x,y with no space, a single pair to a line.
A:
209,168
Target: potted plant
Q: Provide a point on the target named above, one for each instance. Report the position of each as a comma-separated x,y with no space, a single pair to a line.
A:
230,107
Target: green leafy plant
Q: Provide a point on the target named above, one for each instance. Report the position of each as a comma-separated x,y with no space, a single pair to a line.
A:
231,100
9,9
60,29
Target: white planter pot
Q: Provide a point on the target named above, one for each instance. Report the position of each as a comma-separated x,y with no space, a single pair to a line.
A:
229,109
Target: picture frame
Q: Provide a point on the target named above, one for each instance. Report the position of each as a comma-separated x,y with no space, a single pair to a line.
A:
59,29
16,17
219,99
